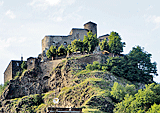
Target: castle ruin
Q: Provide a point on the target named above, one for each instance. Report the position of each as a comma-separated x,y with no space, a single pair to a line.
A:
47,41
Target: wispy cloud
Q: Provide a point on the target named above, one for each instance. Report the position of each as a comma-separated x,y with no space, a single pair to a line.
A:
150,7
1,3
154,19
60,15
44,4
10,14
12,41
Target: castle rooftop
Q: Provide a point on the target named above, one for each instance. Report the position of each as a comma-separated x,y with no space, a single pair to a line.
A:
90,22
103,35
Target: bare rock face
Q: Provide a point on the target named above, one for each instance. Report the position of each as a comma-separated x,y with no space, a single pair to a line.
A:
29,83
32,81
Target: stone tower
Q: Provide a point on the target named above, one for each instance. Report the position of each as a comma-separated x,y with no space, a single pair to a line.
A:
91,27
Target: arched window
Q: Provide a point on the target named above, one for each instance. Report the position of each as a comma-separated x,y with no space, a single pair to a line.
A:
65,43
53,43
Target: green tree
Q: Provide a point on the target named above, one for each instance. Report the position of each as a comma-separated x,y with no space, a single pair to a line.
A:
90,42
95,66
118,91
141,102
104,45
142,60
115,44
69,49
24,65
61,51
80,46
48,53
51,52
75,45
136,66
154,109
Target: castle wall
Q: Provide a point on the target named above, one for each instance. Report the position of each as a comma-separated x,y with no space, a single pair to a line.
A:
75,33
12,69
103,37
78,34
16,66
32,63
45,43
91,27
64,40
8,73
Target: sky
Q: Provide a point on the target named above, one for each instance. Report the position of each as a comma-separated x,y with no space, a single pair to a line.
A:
24,23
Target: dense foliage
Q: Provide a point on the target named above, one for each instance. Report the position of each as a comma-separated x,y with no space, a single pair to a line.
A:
119,92
51,52
61,51
146,100
115,44
104,45
77,45
90,42
24,65
135,66
2,87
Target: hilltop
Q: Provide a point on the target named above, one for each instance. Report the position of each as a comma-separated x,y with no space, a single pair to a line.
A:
75,87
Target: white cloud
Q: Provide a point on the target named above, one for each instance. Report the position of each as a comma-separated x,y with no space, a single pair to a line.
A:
155,20
52,2
44,4
12,41
10,14
1,3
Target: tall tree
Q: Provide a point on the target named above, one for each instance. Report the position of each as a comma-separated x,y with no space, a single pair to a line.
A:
69,49
90,42
115,44
141,59
61,51
77,45
104,45
74,45
51,52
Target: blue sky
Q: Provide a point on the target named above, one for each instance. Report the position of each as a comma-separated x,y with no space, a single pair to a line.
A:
24,23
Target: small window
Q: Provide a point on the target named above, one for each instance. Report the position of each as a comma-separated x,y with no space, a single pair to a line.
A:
17,64
53,43
65,43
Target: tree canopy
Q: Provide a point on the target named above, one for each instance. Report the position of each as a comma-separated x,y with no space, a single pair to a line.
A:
51,52
104,45
77,45
146,100
115,44
61,51
90,42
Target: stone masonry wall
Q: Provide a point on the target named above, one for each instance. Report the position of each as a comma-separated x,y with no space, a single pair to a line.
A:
32,63
16,66
8,73
11,70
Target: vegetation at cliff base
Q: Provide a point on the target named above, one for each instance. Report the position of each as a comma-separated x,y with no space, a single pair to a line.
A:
3,86
146,100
